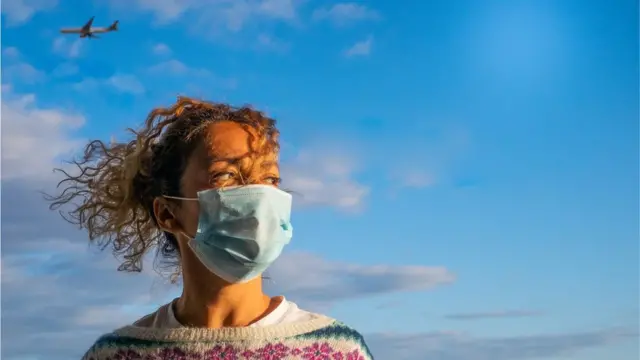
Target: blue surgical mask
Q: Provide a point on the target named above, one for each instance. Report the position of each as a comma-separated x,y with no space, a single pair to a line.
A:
241,230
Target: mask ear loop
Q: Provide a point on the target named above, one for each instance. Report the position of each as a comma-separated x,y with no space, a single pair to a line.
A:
265,276
179,198
182,198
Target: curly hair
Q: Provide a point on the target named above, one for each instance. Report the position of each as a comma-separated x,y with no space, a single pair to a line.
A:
112,195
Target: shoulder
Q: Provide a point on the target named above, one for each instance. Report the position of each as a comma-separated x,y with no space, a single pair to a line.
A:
161,318
338,329
114,340
106,341
339,337
334,328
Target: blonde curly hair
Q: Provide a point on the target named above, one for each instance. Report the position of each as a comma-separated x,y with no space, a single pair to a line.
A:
112,195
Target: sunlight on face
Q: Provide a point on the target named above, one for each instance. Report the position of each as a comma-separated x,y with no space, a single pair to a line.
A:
230,155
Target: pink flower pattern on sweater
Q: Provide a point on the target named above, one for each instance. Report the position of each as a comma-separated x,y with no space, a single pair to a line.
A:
315,351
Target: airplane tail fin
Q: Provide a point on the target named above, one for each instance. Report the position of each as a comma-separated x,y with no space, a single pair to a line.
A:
114,26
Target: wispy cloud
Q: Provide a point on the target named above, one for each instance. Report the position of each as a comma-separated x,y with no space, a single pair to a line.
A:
66,47
206,17
126,83
493,315
34,138
360,48
345,13
461,346
65,69
161,49
321,178
176,67
269,42
21,72
192,76
10,52
425,164
335,281
69,329
17,12
17,71
122,83
417,179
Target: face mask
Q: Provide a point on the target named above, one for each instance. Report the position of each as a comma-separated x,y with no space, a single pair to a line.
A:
241,230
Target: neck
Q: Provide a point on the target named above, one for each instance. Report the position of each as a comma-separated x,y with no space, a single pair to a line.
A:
208,301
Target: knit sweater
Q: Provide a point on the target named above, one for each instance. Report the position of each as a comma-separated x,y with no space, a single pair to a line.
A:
317,339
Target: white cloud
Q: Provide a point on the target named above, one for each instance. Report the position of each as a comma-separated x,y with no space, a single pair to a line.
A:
209,18
195,77
65,69
121,83
324,179
34,138
237,14
493,314
315,281
269,42
176,67
10,52
21,72
163,10
88,84
345,13
16,71
161,49
416,179
361,48
427,164
126,84
66,47
17,12
56,273
451,345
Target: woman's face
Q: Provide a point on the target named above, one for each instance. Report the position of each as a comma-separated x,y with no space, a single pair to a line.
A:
227,157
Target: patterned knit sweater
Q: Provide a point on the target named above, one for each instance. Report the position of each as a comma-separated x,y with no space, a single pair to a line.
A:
317,339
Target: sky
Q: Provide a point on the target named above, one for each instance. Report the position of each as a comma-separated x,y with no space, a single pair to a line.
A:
467,170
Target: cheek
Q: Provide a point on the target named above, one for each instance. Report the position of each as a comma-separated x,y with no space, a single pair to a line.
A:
189,214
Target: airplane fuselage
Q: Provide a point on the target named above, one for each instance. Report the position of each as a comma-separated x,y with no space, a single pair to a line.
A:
88,31
85,32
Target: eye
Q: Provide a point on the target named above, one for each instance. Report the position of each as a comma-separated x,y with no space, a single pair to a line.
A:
272,180
222,177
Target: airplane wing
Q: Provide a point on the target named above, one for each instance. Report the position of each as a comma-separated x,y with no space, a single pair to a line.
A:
87,26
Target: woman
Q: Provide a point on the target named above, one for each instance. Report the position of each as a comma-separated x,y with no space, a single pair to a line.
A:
200,184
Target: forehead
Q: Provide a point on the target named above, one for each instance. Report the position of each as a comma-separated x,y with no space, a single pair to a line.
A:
229,141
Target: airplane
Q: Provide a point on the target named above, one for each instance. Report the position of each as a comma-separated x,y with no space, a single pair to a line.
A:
88,31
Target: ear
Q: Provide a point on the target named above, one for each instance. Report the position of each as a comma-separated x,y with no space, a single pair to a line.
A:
164,211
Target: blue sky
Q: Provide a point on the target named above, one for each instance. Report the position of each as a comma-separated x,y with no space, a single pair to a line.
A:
469,169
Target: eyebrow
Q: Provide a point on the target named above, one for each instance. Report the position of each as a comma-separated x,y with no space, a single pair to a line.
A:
212,161
272,163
